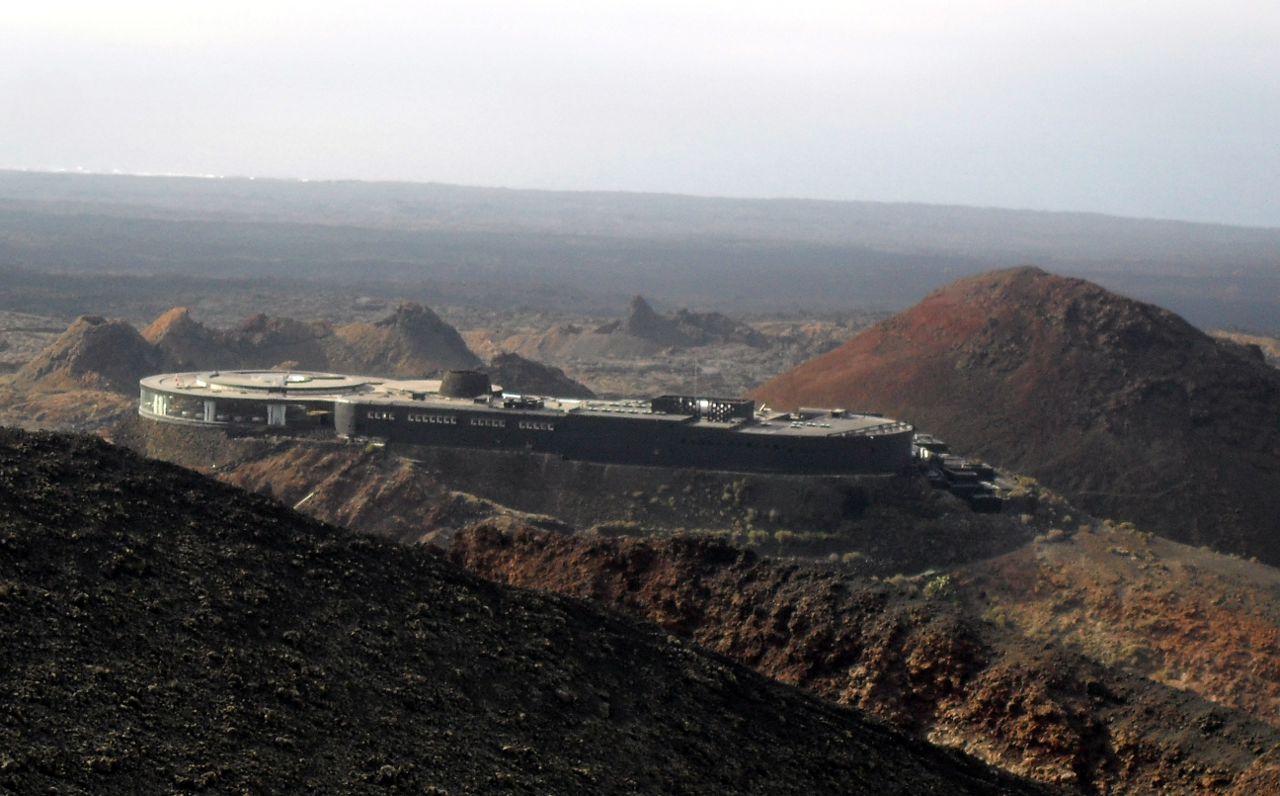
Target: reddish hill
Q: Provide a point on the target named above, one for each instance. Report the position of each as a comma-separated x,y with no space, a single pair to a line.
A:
412,341
188,342
1122,405
96,353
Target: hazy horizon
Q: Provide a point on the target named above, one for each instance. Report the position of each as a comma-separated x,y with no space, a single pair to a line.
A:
1132,109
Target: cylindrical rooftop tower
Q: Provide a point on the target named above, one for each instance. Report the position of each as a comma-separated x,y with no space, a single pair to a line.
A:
465,384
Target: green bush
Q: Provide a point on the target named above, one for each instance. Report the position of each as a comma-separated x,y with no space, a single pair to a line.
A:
940,588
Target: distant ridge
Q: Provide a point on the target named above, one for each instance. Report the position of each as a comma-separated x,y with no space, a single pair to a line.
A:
1121,404
644,331
725,253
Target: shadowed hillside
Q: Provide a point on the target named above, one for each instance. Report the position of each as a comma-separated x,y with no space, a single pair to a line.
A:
1121,405
163,632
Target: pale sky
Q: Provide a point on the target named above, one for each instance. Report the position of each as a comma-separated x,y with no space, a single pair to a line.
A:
1153,109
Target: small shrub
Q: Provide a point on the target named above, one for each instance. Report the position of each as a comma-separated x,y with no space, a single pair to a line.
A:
940,588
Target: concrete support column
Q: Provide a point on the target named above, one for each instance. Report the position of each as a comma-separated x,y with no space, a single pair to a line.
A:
275,414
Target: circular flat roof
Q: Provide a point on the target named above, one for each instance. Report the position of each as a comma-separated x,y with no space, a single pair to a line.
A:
288,379
259,381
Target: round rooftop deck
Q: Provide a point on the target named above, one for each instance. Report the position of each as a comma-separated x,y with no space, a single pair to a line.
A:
258,382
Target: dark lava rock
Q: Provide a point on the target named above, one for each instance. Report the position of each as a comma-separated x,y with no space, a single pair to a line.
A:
162,632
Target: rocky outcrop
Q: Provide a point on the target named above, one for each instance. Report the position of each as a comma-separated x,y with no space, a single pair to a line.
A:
903,649
644,323
1122,406
686,328
1183,616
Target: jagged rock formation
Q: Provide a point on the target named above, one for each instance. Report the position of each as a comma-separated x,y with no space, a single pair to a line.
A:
644,323
686,328
903,650
714,327
517,374
164,632
412,341
95,353
1120,405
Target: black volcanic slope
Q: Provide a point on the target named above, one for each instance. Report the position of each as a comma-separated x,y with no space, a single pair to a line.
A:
162,632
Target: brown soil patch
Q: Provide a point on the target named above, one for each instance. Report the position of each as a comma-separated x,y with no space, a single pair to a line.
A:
1188,618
